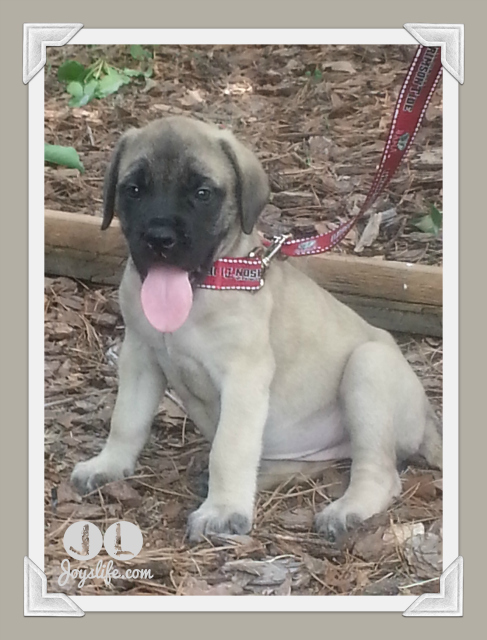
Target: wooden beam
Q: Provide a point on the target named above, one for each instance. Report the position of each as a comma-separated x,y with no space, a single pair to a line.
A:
394,295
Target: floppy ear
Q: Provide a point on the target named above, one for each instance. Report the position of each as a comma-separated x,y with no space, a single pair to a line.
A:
111,179
252,189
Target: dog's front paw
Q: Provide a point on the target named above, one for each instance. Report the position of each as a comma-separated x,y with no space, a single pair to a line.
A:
98,471
338,518
213,520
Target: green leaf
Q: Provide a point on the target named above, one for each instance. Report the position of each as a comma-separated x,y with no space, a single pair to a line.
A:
436,216
71,71
89,92
75,89
431,223
138,52
80,94
139,73
90,89
65,156
111,83
134,73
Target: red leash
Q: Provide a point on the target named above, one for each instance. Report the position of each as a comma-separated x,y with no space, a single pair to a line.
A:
414,97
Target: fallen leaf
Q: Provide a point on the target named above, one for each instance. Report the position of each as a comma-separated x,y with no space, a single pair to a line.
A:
314,565
300,519
66,493
59,330
432,156
425,555
340,65
171,510
421,486
386,587
370,546
191,98
106,320
198,587
79,512
291,199
263,572
149,85
123,492
370,233
284,589
400,533
322,148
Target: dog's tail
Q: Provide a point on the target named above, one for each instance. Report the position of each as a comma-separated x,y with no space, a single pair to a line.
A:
431,448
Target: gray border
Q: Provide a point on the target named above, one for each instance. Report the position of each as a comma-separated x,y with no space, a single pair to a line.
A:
13,270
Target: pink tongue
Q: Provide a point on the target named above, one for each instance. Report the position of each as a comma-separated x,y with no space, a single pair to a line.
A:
166,298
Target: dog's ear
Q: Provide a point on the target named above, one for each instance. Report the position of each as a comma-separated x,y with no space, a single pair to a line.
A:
252,189
111,180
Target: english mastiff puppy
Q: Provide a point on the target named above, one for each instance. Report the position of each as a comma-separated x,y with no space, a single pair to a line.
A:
280,381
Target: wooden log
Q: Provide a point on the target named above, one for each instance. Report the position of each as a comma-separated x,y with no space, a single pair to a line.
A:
76,247
375,278
394,295
405,317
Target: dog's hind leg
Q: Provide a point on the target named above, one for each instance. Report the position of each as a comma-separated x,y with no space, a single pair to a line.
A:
141,385
431,448
273,473
384,409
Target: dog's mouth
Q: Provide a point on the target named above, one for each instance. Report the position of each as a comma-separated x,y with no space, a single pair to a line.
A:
170,268
167,290
166,296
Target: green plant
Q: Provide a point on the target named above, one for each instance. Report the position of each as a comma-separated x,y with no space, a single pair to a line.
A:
65,156
431,222
316,75
101,79
138,52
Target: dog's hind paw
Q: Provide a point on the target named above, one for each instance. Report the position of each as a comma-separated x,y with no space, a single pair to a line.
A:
100,470
210,520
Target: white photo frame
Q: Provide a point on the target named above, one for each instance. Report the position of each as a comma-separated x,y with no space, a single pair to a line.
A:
36,37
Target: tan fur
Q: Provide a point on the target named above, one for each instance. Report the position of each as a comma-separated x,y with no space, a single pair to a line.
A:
252,368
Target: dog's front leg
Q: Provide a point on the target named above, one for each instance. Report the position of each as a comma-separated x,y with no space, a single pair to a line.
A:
141,385
235,454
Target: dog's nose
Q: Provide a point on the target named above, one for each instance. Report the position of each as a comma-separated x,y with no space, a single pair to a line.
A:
161,237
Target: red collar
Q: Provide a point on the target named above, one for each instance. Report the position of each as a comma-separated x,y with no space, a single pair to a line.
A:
235,273
418,87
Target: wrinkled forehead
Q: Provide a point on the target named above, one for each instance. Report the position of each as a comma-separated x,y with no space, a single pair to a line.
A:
171,155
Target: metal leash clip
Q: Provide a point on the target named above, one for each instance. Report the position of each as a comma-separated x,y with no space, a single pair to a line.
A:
271,251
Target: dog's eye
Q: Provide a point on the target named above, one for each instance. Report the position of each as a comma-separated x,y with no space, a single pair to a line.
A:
133,191
203,194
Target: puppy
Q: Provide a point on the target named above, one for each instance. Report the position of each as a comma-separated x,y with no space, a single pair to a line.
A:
281,380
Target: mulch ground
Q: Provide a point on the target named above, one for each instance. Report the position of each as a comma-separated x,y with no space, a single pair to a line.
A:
317,118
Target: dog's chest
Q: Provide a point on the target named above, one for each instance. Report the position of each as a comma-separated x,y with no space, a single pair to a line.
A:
191,381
